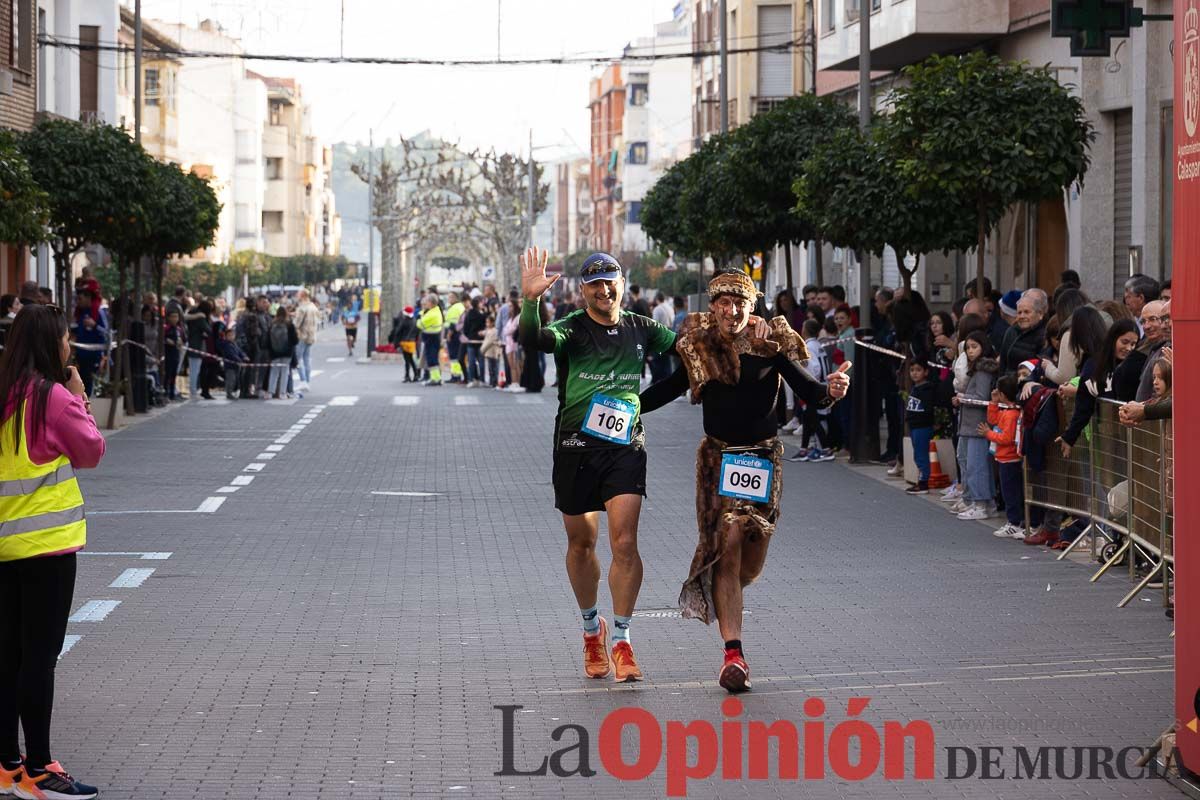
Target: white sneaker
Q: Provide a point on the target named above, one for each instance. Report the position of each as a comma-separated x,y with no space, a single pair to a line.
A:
896,470
1009,531
976,511
792,426
952,494
959,506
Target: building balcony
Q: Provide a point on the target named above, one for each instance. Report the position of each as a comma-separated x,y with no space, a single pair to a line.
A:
906,32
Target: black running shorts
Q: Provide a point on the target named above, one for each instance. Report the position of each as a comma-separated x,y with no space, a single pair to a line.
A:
586,479
352,333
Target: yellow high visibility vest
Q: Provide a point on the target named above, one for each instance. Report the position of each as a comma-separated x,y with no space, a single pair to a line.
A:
431,321
453,313
41,507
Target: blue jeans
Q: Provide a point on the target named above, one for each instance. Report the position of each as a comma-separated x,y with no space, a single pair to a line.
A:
475,362
194,363
1012,488
921,437
976,469
304,359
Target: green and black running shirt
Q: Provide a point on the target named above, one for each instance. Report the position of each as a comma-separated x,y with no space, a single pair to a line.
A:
594,359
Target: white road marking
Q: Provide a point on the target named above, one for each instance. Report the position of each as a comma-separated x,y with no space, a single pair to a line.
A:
69,641
228,489
210,505
283,401
336,359
94,611
143,556
131,579
344,400
319,408
410,494
466,400
405,400
265,456
242,480
526,400
274,448
287,437
256,467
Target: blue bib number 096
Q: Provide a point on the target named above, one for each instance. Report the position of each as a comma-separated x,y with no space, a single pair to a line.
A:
746,477
610,419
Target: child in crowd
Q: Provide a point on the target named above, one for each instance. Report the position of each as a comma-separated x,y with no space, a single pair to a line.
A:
975,462
173,337
281,340
1162,381
234,357
919,416
491,350
818,365
1003,430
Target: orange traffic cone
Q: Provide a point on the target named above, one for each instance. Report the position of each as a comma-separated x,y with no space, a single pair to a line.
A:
937,478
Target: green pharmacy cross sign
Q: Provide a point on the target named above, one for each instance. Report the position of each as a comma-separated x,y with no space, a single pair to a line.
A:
1092,24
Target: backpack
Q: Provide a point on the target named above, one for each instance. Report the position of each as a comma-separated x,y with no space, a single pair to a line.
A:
280,342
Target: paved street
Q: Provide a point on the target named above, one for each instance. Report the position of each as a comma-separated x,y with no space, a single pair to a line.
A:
335,593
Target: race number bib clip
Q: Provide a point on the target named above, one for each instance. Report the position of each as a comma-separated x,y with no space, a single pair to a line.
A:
746,477
610,419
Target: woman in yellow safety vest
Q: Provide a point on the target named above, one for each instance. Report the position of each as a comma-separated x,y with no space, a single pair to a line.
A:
46,433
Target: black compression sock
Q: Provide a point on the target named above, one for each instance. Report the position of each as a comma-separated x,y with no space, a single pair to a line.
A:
734,644
10,764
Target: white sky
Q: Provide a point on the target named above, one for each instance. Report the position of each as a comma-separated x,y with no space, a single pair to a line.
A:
480,106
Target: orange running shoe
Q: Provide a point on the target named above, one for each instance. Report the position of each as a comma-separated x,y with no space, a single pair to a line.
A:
735,674
595,654
53,784
624,663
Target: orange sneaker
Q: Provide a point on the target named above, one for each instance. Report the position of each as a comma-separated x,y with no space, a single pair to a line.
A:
595,654
735,673
9,778
624,663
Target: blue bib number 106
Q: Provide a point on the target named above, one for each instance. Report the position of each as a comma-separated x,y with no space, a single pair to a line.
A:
610,419
746,477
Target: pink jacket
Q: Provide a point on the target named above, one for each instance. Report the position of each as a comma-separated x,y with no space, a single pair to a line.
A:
70,430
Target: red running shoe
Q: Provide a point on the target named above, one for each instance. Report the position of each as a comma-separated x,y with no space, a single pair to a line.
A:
735,674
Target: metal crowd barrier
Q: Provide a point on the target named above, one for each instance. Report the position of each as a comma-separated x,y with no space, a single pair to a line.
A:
1117,480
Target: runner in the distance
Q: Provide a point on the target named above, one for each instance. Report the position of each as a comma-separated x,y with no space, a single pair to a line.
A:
739,463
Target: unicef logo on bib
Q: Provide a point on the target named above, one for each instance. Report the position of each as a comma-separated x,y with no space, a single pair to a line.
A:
746,477
610,419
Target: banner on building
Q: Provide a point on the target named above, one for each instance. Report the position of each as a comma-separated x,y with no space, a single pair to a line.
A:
1185,326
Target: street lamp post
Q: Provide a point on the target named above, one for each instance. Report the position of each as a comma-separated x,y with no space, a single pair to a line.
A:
864,445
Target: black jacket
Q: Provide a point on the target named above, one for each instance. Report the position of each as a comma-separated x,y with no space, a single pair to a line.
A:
473,325
1019,345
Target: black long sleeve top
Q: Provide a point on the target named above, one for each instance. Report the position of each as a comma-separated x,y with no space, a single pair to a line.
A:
740,414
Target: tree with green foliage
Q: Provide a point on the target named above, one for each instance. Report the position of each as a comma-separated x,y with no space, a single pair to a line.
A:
24,207
96,178
766,156
184,217
980,133
852,192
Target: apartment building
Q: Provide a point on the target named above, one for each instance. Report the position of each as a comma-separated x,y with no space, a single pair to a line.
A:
18,104
757,80
641,124
1119,221
220,116
160,88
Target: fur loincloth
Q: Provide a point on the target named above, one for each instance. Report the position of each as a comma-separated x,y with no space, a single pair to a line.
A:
714,516
708,357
